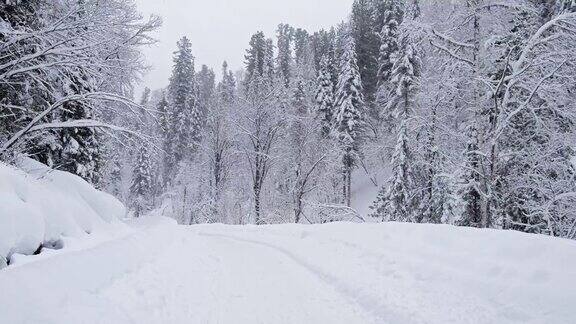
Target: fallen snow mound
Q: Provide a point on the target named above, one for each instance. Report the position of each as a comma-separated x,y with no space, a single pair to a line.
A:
39,206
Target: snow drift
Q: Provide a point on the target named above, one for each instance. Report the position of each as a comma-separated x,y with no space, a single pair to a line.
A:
40,206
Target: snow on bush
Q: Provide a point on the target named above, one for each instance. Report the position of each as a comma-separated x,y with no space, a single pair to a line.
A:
39,205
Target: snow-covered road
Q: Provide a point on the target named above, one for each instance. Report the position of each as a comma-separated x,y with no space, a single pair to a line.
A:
337,273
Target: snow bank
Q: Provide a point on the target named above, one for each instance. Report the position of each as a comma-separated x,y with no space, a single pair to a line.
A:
39,205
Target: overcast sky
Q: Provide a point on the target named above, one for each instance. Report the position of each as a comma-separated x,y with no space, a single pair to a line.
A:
220,29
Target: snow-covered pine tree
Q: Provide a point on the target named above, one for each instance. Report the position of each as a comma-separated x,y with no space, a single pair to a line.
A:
227,87
184,120
404,80
302,50
162,116
350,115
395,202
325,96
206,85
367,45
259,60
141,187
80,151
392,16
399,200
323,45
284,60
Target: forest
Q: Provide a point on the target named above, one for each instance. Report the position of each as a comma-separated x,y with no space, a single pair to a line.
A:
455,112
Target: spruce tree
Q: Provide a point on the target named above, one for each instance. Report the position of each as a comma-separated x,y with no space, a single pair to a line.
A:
206,85
392,17
285,35
399,200
395,202
404,80
80,151
323,45
163,117
350,121
227,87
141,188
184,120
470,183
367,45
325,97
302,51
259,61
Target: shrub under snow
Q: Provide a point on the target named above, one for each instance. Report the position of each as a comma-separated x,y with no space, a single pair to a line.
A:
39,206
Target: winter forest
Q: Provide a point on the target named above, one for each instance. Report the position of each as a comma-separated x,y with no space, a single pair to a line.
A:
455,112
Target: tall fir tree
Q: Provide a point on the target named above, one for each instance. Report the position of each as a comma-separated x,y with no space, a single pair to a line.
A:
399,200
184,120
404,80
367,45
80,151
284,60
227,87
323,45
392,16
395,202
259,60
142,182
325,97
206,85
350,122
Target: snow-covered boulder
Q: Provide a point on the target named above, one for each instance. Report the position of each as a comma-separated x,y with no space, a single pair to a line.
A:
40,205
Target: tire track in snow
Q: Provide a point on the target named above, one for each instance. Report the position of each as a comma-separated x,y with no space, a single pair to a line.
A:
367,303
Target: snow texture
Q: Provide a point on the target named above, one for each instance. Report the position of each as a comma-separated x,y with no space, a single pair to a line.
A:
40,206
333,273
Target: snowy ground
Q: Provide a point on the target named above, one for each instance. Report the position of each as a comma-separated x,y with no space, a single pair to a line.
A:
337,273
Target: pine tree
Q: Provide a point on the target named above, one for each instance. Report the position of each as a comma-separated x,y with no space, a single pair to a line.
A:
285,35
80,151
399,200
325,97
302,51
367,45
392,17
470,184
350,114
227,87
395,202
163,117
323,45
259,61
206,81
184,120
404,80
141,188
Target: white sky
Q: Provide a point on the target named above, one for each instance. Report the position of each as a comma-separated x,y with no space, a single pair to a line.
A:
221,29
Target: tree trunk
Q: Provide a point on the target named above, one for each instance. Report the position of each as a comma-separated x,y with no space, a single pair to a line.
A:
344,189
257,206
349,186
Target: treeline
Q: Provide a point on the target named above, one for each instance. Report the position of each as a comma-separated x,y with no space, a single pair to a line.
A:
467,107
